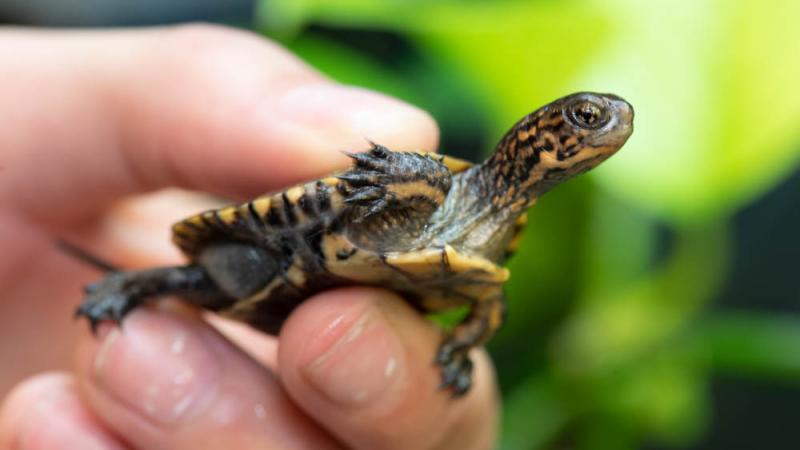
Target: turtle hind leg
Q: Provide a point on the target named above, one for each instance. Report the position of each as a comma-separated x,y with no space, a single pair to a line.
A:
113,297
484,319
223,273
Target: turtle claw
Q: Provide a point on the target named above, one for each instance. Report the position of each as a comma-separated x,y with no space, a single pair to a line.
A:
376,158
456,369
363,177
366,195
107,300
377,150
90,288
94,323
373,171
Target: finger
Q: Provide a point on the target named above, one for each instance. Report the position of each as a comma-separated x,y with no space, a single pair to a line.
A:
106,113
168,381
259,346
45,412
361,363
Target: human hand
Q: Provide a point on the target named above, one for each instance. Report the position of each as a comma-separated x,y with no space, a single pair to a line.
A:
92,121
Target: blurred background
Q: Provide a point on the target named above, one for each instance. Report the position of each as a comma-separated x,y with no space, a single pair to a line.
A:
655,303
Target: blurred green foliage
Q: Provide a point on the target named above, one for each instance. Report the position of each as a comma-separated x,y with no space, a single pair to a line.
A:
610,341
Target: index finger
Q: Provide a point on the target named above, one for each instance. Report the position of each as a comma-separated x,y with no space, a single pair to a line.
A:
111,113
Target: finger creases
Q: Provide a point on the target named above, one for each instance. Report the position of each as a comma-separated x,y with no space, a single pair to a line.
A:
167,380
360,361
199,106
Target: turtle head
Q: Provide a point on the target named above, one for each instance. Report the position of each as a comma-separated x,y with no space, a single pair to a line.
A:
564,138
585,127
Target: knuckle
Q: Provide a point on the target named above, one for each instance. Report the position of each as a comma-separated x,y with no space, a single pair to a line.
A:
204,36
29,391
208,45
200,47
217,60
32,386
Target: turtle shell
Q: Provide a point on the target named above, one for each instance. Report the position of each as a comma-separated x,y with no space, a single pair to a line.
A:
194,232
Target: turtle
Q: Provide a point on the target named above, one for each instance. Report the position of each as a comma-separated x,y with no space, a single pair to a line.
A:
436,229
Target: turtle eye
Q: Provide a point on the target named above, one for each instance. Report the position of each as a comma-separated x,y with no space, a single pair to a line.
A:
587,114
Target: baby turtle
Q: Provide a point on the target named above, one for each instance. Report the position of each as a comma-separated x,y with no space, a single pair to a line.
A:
435,229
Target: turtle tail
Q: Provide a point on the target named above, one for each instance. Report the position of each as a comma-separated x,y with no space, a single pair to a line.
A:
87,258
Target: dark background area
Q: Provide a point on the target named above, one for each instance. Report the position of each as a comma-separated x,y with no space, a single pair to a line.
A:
750,414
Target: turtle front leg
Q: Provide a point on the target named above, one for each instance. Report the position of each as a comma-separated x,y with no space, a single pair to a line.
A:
113,297
391,195
485,318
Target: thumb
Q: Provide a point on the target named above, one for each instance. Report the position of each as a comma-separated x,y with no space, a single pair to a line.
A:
360,361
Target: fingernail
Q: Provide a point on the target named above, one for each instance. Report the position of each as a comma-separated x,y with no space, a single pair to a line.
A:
354,114
158,365
356,359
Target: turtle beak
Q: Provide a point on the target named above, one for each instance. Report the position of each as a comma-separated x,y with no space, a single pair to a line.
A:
620,127
624,112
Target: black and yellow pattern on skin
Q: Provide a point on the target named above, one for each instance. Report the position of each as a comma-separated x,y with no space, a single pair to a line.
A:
435,229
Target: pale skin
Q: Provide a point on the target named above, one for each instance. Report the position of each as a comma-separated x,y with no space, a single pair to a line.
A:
94,121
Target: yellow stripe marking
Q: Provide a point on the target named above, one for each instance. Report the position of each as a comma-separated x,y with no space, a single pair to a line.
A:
294,194
181,228
331,181
416,188
261,206
455,165
196,220
227,215
424,260
296,275
513,245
